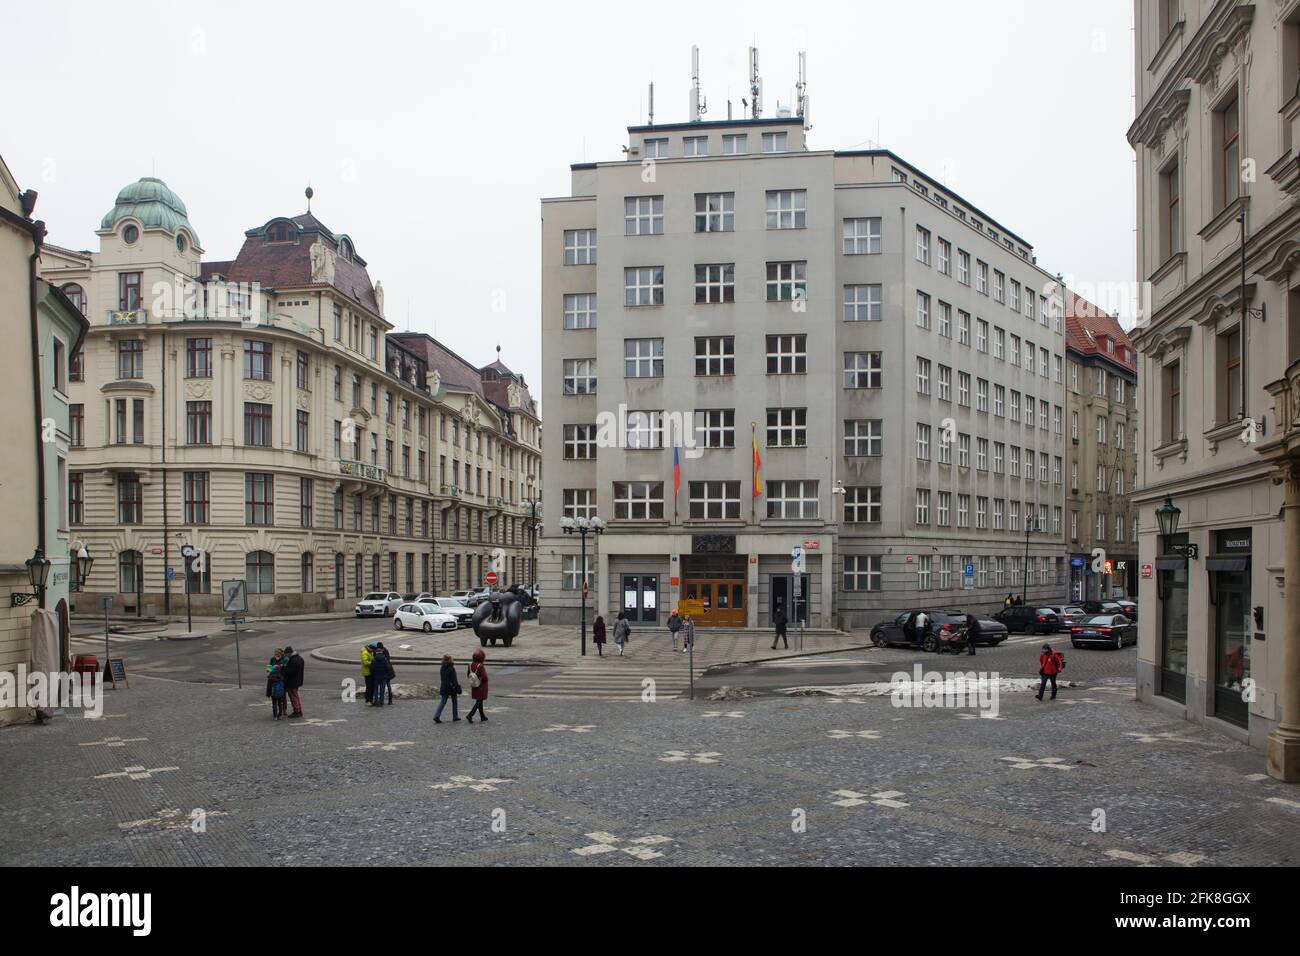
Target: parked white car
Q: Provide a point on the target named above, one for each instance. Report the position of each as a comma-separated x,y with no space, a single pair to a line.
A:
378,604
464,616
423,617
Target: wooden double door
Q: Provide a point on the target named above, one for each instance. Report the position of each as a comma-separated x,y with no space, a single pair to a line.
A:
721,601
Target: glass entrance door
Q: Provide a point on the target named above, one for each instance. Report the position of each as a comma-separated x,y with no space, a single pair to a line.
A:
782,596
1173,629
1231,645
641,598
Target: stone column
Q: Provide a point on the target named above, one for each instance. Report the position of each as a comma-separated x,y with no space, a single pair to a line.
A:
1283,748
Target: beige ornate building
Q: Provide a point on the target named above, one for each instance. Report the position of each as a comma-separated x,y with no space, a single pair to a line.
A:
1217,136
1101,402
258,409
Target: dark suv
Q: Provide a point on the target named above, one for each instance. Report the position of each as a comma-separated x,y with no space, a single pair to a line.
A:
1030,620
902,629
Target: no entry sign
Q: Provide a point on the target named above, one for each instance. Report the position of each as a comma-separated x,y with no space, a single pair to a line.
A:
490,577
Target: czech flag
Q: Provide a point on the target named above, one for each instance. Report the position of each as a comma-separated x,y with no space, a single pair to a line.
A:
677,472
758,466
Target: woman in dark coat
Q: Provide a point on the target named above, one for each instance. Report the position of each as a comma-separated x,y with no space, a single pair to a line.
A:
448,689
477,691
598,635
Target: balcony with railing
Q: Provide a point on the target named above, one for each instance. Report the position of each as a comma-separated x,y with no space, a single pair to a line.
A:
127,316
1279,439
362,471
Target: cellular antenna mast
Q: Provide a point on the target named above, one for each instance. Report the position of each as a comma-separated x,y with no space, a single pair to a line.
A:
755,83
801,90
652,105
699,105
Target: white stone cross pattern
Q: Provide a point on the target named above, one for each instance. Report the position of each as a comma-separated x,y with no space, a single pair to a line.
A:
576,728
885,798
1037,763
677,756
980,715
380,745
1180,858
135,773
846,734
642,848
723,713
1166,737
319,721
1070,701
173,818
462,782
114,742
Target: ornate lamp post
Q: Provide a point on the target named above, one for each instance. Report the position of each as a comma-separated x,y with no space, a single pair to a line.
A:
84,563
1031,525
532,504
583,527
38,573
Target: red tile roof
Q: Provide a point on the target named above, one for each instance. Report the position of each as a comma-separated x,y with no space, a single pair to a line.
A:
1087,329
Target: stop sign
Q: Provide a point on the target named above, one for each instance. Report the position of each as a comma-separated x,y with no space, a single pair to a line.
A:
490,577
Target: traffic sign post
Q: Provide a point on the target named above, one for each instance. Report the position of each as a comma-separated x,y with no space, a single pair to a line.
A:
234,598
106,602
968,577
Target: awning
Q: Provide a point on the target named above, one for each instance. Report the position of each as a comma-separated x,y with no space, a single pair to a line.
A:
1170,562
1225,562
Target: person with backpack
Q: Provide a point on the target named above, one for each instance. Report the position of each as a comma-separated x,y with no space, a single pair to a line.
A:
779,622
478,686
293,676
674,625
688,634
275,688
622,631
1050,663
367,661
448,689
381,667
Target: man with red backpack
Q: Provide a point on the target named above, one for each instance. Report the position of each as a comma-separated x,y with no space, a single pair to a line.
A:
1050,663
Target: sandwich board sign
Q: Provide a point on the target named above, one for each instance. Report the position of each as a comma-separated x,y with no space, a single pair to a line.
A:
234,595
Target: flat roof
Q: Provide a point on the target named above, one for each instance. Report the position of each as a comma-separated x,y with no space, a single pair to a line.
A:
715,124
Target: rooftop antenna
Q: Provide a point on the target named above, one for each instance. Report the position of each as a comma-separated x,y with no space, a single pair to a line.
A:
652,105
698,103
755,83
801,90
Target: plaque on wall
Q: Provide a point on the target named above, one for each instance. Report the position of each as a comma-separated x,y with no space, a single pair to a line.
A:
713,544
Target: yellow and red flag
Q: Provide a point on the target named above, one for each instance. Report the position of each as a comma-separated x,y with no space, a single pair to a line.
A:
758,463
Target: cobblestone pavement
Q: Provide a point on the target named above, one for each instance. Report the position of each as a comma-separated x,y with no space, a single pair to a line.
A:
756,781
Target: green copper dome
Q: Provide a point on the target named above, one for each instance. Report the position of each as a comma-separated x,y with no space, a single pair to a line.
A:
153,205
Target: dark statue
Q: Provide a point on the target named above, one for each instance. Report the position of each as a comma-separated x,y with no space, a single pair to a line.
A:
498,618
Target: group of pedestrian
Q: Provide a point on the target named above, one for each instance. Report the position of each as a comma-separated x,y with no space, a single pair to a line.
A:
685,626
449,688
378,673
622,633
1015,600
284,674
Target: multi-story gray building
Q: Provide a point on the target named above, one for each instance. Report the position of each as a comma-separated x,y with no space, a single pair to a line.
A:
891,354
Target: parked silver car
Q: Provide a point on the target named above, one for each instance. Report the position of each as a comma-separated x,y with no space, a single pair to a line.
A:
379,604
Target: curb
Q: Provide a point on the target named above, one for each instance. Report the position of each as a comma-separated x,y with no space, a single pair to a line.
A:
191,636
321,654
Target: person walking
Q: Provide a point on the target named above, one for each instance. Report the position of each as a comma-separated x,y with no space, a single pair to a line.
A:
622,631
688,632
674,625
1009,601
779,621
293,674
598,635
478,686
382,669
972,633
1050,663
367,664
448,689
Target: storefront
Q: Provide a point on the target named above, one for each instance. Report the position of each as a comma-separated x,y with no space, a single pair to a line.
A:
1230,617
1171,571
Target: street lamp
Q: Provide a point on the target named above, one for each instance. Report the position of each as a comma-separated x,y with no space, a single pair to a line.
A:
1031,525
1167,516
583,527
532,504
84,563
38,572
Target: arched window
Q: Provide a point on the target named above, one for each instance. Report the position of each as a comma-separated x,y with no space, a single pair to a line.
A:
308,569
280,232
77,295
345,249
130,572
260,571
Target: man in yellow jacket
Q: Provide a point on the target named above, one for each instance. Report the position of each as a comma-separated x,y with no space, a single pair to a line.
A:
367,655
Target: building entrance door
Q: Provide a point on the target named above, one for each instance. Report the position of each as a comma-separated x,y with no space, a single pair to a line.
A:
720,602
641,598
783,597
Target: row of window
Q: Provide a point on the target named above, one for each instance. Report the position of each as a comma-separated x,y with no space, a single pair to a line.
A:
1019,298
862,572
733,144
1004,348
996,509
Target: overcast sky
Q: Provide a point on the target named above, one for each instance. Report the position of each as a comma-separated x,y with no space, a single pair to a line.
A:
430,131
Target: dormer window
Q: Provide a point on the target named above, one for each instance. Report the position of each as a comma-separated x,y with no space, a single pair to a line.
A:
130,234
345,249
280,232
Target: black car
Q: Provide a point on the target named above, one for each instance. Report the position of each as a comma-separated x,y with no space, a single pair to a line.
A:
902,629
1128,609
1107,630
1029,620
1102,607
991,632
